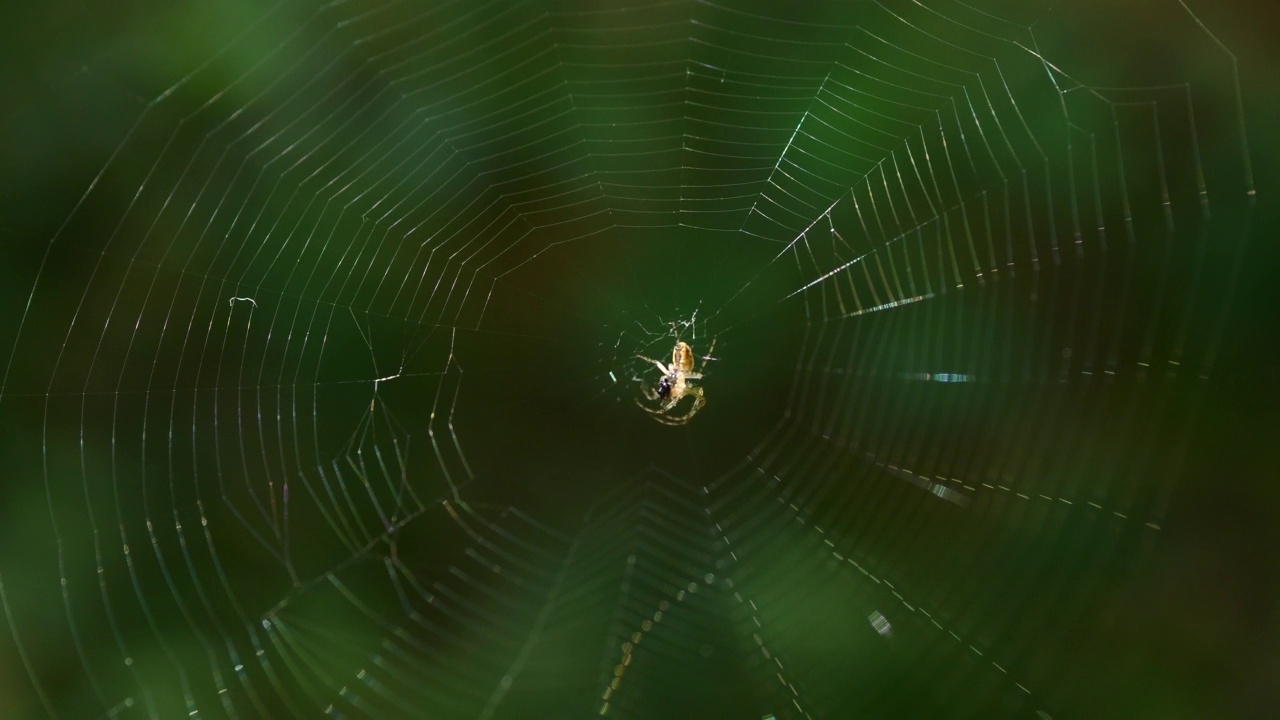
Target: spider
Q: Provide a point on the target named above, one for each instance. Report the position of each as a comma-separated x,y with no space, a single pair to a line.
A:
673,386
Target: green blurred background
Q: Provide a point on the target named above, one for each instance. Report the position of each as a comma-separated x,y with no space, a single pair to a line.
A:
320,384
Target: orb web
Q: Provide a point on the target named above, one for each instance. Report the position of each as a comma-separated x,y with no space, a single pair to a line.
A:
322,374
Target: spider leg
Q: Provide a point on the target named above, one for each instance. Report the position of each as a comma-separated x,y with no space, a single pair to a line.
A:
699,400
710,352
646,408
661,368
659,413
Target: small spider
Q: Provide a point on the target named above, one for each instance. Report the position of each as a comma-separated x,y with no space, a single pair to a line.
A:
673,386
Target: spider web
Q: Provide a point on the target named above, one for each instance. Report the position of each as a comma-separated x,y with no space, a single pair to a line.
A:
324,319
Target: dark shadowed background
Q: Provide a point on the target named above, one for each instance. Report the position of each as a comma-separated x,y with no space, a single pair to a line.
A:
320,388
